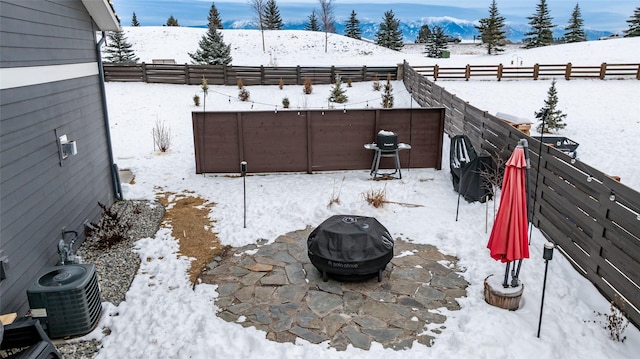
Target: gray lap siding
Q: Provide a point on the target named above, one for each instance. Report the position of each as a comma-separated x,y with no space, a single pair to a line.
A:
38,196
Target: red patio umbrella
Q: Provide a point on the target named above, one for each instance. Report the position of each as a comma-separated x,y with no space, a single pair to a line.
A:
508,241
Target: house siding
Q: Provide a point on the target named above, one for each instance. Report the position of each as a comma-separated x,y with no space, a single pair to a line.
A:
39,196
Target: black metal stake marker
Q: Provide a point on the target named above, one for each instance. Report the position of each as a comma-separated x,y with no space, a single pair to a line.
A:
547,255
243,172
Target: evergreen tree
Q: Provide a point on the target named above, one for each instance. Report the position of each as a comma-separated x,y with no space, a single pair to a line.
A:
634,24
437,43
387,96
540,34
134,20
389,34
352,28
554,117
214,18
312,25
119,50
337,92
213,50
492,30
424,35
272,19
574,30
171,21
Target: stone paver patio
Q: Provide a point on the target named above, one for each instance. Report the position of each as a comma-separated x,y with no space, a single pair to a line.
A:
275,288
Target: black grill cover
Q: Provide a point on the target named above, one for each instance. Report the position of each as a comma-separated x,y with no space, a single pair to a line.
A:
349,247
466,170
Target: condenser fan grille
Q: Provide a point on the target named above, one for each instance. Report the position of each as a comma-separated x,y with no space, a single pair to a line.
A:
62,276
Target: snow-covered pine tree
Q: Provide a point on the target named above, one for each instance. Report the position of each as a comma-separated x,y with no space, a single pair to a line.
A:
119,49
387,96
437,43
312,25
352,28
574,30
337,92
634,24
214,18
171,21
134,20
554,120
424,35
213,50
492,30
389,34
271,16
541,26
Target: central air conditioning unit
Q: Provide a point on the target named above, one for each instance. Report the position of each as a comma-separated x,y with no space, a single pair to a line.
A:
66,299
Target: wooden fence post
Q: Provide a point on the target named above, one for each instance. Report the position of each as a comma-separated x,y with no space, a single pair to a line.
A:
435,73
467,72
500,68
567,72
186,74
262,75
536,71
364,73
144,72
638,73
225,78
603,70
298,79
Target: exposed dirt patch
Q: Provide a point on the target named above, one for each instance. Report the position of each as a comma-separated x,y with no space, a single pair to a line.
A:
188,216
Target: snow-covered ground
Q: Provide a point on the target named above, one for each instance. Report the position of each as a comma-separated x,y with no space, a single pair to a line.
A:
163,317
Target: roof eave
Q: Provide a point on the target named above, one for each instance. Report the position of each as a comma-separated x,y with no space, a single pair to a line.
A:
103,14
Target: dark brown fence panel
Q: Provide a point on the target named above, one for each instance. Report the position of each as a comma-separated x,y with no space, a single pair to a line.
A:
215,74
338,138
593,219
306,141
274,141
166,74
217,141
123,72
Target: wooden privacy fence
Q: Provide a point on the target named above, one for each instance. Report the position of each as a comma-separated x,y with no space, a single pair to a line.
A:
229,75
308,141
535,72
593,219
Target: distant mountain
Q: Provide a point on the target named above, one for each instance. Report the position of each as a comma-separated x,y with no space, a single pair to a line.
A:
410,29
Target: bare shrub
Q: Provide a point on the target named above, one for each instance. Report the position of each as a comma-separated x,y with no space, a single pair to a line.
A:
243,95
376,83
615,322
307,87
196,100
349,82
281,84
335,197
376,198
161,136
111,229
285,102
240,83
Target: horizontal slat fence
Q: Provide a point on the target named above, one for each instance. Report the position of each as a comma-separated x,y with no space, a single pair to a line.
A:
313,140
538,71
593,219
250,75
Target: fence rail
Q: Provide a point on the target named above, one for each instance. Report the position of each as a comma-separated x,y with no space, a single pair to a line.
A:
229,75
593,219
535,72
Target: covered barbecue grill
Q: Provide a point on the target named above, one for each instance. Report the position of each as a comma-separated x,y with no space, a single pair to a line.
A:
350,248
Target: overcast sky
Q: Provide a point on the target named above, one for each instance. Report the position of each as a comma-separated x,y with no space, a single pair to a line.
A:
598,14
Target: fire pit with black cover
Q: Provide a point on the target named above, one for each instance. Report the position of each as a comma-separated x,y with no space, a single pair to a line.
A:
350,248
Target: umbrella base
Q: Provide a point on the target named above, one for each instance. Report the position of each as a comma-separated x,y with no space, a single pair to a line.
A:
498,296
